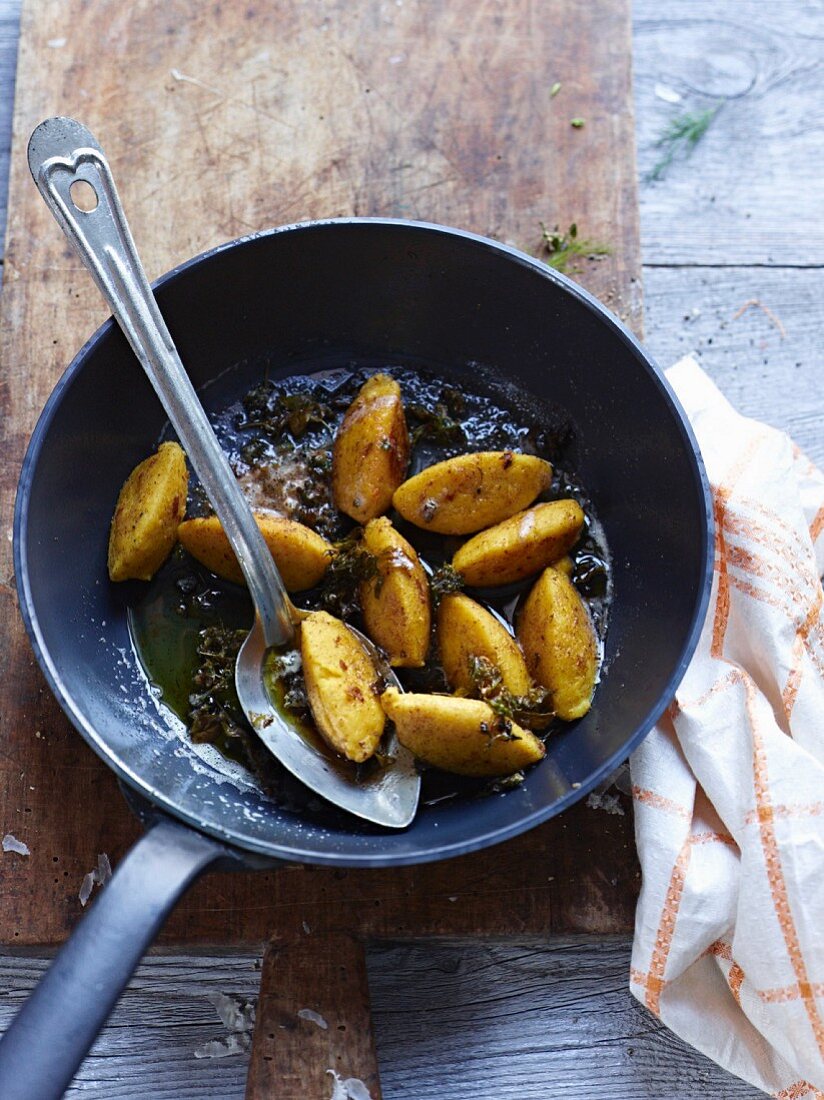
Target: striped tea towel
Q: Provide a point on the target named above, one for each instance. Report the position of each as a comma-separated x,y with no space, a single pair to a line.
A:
729,786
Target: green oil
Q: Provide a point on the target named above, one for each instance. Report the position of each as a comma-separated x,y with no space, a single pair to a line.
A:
166,622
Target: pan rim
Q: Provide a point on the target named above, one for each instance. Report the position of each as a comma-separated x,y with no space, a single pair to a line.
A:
293,852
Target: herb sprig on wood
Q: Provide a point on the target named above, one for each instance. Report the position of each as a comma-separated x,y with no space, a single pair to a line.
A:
680,138
560,250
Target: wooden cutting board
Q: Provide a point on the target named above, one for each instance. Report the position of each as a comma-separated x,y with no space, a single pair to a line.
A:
221,119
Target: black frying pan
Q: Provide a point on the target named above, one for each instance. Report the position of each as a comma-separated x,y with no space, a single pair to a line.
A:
300,299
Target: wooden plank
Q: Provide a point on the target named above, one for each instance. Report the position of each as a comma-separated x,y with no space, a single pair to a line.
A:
313,1020
9,33
239,117
577,872
460,1020
750,193
766,359
521,1020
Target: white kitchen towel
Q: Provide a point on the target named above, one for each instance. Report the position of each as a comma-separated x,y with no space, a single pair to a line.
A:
729,787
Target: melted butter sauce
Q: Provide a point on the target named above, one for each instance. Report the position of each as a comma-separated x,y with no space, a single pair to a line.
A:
284,476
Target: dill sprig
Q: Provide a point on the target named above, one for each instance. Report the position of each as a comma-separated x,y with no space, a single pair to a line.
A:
559,250
681,136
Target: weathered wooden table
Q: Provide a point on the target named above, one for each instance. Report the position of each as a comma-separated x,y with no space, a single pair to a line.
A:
480,1019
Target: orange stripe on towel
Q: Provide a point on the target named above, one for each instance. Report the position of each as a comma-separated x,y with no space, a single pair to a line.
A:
775,872
790,993
735,978
817,525
799,1091
721,498
770,574
659,802
734,676
666,929
794,809
790,692
779,539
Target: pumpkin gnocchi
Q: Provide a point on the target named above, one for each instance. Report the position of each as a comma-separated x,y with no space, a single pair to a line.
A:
471,492
371,450
395,602
464,736
301,555
341,685
467,630
559,643
521,545
149,508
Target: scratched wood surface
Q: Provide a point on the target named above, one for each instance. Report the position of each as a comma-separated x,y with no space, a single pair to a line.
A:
227,118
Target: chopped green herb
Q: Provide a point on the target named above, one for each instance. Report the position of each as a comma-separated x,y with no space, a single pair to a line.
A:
444,581
553,91
577,123
272,412
215,715
534,711
500,729
681,136
436,426
505,783
454,400
351,567
559,250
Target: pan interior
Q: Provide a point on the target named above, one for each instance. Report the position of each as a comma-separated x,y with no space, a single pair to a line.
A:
369,293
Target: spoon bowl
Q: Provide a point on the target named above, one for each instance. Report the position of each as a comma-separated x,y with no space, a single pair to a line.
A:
62,154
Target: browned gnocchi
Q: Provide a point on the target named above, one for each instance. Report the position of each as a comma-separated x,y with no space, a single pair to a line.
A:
301,555
458,735
472,491
467,630
149,508
559,643
342,685
521,545
371,450
395,601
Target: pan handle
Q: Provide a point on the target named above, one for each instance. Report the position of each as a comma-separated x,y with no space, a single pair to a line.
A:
51,1035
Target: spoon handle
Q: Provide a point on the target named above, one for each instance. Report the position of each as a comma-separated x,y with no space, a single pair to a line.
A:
63,152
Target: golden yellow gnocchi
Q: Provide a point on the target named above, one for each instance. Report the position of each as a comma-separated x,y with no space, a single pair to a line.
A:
464,736
301,555
471,492
466,630
149,508
371,450
521,545
559,643
341,685
395,603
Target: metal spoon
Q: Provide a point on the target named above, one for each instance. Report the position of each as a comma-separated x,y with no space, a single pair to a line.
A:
62,153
